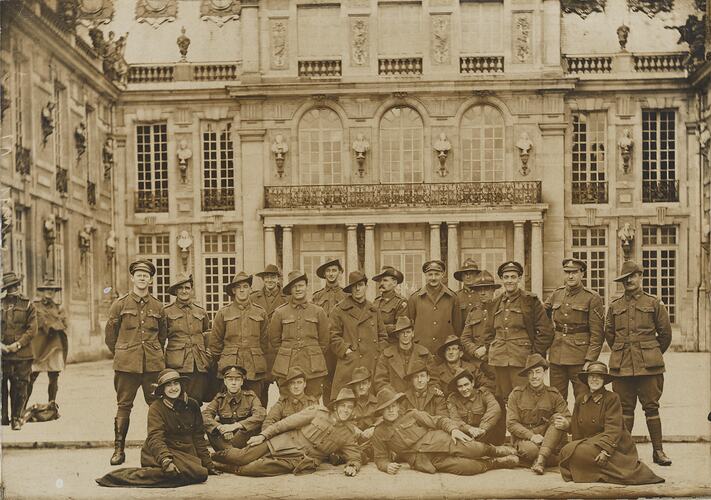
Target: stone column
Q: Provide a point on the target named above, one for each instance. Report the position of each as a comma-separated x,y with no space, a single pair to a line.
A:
551,32
250,40
519,242
252,199
434,242
287,251
270,253
370,259
351,248
537,258
452,253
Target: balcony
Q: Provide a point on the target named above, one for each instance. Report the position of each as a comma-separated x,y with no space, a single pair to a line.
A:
23,159
659,62
91,193
151,201
218,199
589,64
461,194
320,69
469,65
150,74
183,72
400,66
589,192
62,180
214,72
654,191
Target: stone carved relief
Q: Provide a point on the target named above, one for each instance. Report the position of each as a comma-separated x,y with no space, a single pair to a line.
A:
359,41
623,33
650,7
156,12
183,43
220,11
93,12
583,8
440,39
524,145
111,51
279,48
626,237
522,37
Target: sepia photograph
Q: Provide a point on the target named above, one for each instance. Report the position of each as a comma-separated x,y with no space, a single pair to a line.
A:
355,249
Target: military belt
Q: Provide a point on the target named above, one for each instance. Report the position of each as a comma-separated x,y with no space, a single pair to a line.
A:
566,328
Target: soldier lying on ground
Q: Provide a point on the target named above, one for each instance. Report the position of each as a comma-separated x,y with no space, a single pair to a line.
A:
299,443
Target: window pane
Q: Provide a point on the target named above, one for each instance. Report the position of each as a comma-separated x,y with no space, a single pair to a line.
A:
320,142
401,140
482,132
590,246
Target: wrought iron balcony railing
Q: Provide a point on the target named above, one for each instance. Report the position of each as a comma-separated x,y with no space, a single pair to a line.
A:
590,192
654,191
404,195
151,201
23,159
91,193
218,199
62,180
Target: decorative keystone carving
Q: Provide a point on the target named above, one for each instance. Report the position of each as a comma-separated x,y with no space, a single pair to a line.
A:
360,148
524,146
443,147
156,12
280,148
220,11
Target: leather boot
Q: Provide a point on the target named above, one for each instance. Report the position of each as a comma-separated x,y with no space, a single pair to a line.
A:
654,425
504,451
120,431
506,462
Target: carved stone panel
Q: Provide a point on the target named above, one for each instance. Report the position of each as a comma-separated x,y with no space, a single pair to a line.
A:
441,38
220,11
156,12
583,8
360,40
96,11
278,37
522,35
650,7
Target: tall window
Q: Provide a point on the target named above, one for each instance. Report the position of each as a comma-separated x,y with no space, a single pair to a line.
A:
659,182
218,166
152,167
659,246
590,246
19,262
482,27
156,248
219,266
589,161
320,138
401,138
482,144
485,243
403,247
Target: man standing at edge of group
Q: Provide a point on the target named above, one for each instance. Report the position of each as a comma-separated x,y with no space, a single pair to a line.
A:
390,304
578,321
638,330
434,308
327,298
467,275
135,334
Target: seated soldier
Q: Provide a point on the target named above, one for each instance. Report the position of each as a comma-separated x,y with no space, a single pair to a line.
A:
475,408
537,417
234,415
450,362
422,395
299,443
399,357
293,401
363,416
429,443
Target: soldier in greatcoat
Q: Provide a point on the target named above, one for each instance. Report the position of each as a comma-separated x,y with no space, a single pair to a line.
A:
638,331
390,304
135,333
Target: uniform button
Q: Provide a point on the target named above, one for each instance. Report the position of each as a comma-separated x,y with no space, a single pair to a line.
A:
435,308
434,322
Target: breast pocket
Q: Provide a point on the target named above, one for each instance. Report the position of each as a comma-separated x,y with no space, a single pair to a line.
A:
645,317
129,320
620,318
579,314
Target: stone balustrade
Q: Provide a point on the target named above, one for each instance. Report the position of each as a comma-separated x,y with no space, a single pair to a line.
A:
588,64
400,66
626,63
211,72
321,68
481,64
659,62
150,73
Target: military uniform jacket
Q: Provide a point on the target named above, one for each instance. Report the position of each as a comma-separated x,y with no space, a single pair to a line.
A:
442,374
359,328
468,300
19,324
391,306
50,346
519,327
313,432
434,319
531,411
268,301
578,321
638,331
136,332
480,410
364,412
475,333
393,364
286,406
227,408
412,435
187,327
328,297
239,336
430,402
298,332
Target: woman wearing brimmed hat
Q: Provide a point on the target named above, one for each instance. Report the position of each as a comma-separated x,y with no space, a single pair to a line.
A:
602,449
175,451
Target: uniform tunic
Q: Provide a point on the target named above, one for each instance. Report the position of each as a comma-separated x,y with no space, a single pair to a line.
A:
443,373
364,411
426,400
243,408
394,363
328,296
50,346
479,410
475,334
391,306
19,324
187,351
286,406
269,302
531,411
436,315
468,300
597,425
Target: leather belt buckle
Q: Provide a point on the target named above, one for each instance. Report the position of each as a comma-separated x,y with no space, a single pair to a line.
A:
565,329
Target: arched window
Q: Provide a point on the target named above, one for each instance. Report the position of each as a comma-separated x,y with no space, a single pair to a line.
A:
482,145
320,139
401,138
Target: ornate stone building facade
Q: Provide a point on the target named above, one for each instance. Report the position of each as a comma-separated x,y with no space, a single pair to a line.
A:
392,132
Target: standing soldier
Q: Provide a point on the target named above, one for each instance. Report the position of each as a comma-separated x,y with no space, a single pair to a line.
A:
357,332
327,298
638,331
468,297
239,334
188,326
135,334
269,298
50,346
19,326
474,340
298,332
518,326
578,317
434,308
389,303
